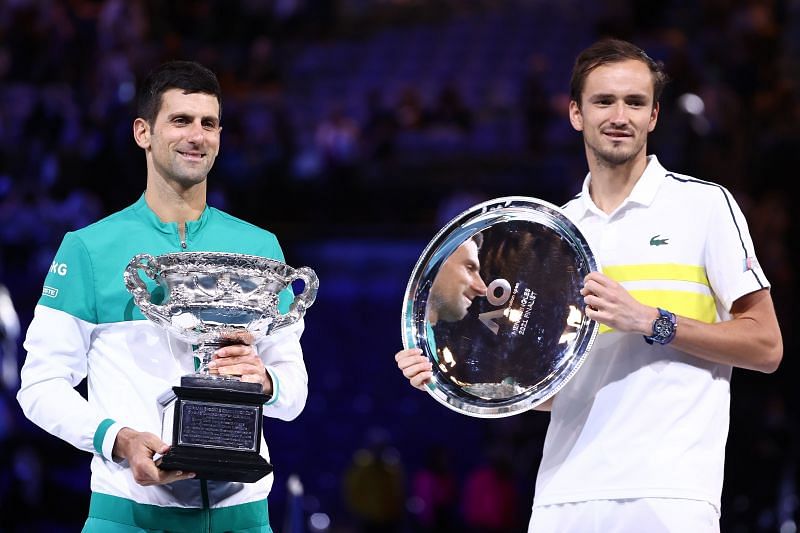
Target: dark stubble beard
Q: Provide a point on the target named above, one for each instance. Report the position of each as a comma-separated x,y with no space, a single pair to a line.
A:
612,158
446,312
455,314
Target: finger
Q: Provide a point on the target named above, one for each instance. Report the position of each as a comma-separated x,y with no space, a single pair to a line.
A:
236,369
254,378
162,477
237,337
420,380
598,277
170,476
164,448
592,301
154,444
420,368
161,455
251,360
227,361
403,354
412,361
593,286
236,350
596,315
598,286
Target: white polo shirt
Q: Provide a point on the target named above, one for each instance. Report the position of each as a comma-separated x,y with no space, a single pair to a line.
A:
642,420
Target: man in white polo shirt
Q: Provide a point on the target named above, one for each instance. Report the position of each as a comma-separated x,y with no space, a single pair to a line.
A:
636,440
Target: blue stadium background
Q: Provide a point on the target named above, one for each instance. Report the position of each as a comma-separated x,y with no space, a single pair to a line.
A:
354,129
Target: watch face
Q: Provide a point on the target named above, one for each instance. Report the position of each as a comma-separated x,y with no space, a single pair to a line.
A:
494,302
662,328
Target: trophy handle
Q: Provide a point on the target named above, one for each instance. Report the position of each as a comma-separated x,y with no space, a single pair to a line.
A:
135,285
301,301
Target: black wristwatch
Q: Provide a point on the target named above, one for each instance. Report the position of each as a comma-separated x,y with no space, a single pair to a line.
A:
664,328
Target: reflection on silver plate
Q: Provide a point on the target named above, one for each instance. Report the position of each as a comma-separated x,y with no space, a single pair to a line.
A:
494,302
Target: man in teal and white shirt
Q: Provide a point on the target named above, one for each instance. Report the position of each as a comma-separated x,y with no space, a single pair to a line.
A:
87,326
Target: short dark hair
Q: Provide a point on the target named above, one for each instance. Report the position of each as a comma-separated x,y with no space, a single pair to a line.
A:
478,238
189,76
607,51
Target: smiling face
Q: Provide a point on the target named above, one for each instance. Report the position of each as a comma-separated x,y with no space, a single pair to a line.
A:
456,285
616,112
183,140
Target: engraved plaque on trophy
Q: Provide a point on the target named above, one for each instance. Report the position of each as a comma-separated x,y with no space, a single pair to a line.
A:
214,299
494,302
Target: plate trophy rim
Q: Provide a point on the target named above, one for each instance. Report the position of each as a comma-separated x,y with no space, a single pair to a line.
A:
445,241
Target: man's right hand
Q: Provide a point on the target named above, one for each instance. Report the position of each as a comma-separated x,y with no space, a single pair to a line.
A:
415,366
139,448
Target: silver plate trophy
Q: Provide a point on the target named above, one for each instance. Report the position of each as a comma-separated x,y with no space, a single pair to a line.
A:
494,302
214,299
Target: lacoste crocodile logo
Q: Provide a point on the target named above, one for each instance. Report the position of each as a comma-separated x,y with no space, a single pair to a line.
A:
656,241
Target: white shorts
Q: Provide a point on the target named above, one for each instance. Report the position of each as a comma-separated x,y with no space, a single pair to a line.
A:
641,515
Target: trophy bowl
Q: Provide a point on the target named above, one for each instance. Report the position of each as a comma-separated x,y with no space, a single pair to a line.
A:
494,303
214,299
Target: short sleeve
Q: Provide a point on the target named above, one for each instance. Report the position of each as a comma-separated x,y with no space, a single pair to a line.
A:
731,264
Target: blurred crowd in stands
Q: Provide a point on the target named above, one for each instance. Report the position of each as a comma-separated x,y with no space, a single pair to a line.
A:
380,120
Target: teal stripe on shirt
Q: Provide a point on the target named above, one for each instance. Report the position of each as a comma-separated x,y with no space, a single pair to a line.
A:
248,517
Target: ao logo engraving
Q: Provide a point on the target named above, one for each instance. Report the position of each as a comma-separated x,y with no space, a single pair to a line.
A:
59,268
490,318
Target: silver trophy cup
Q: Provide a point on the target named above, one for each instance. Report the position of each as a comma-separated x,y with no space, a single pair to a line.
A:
214,299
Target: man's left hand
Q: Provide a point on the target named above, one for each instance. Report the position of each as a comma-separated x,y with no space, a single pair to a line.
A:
241,360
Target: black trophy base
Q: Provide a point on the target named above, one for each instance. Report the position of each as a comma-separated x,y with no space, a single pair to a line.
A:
220,465
205,382
217,426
